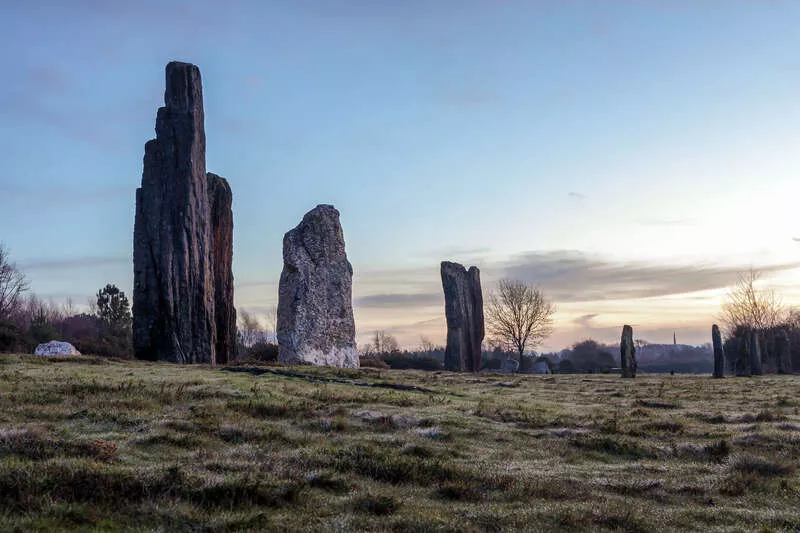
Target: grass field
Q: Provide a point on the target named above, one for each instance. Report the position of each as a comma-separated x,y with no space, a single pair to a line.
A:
96,444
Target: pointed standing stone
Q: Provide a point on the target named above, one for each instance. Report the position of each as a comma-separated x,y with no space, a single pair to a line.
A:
755,354
463,306
220,200
173,295
719,352
627,353
315,303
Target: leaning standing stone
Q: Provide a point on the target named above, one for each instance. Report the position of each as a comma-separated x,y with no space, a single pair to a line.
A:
315,307
719,352
627,353
463,306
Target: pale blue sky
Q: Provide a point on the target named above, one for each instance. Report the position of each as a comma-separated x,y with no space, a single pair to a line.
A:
627,134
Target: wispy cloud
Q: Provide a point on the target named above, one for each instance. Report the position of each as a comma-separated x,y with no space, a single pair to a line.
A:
577,195
401,300
668,222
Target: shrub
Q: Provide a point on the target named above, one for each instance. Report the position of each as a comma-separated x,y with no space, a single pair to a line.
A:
372,362
12,338
402,362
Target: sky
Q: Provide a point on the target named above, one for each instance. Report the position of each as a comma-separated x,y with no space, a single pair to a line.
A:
628,157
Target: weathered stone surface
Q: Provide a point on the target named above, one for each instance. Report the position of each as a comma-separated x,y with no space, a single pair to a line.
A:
783,352
627,353
463,306
220,200
743,358
755,353
173,294
315,307
56,348
719,352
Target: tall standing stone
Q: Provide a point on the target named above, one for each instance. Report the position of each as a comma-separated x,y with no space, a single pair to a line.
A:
173,295
463,306
220,200
783,352
627,353
315,306
719,352
755,353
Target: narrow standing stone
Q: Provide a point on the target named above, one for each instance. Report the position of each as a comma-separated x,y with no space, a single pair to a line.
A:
173,294
627,353
315,302
755,353
719,352
220,199
463,306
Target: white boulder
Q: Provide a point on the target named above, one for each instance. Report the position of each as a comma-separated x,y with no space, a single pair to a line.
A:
56,348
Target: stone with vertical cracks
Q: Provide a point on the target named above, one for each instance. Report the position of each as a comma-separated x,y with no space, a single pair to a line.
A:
220,199
719,352
463,306
173,295
315,307
627,353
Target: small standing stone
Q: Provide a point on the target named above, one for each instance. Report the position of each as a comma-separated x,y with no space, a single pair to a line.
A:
719,352
743,354
220,199
463,306
315,302
627,353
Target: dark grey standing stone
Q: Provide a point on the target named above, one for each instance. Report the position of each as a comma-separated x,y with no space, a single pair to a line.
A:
173,294
719,352
463,308
315,303
743,359
783,352
627,353
220,199
755,353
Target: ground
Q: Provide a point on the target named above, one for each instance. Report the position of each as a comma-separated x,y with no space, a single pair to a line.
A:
88,443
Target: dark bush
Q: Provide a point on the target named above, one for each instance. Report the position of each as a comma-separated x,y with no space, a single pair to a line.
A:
12,338
263,351
404,362
372,362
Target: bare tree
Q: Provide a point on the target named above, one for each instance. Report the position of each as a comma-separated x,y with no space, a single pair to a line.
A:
425,344
12,285
248,328
752,307
383,343
519,316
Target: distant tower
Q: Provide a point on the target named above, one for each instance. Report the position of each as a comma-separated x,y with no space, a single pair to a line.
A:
674,339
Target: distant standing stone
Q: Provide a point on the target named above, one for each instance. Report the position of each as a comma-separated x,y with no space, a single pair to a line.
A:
463,306
56,348
755,354
627,353
783,352
719,352
315,307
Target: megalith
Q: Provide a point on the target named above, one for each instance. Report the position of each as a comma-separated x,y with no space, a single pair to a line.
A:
755,353
220,199
783,352
719,352
173,246
627,353
315,307
463,306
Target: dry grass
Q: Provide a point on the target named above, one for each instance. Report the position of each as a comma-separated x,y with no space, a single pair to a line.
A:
93,444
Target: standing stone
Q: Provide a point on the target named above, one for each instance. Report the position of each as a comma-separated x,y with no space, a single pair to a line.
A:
463,307
755,353
173,293
220,199
783,352
627,353
743,358
719,352
315,307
